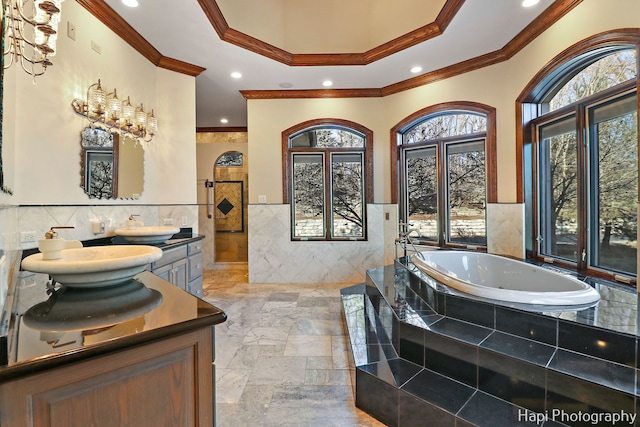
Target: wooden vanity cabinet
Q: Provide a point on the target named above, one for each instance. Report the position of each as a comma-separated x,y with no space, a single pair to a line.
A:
167,382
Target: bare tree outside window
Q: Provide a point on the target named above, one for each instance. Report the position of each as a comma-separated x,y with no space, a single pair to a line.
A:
230,159
606,166
445,178
559,190
328,191
334,138
347,192
467,193
422,192
602,74
308,195
445,125
616,183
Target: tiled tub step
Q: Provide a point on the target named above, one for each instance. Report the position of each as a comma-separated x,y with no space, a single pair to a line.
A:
415,366
399,392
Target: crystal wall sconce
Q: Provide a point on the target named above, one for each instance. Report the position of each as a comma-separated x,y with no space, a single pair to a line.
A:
30,33
115,115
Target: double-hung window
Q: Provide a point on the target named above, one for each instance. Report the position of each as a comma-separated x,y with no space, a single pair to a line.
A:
329,171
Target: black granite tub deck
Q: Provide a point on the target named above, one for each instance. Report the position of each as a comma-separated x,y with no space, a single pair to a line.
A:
423,355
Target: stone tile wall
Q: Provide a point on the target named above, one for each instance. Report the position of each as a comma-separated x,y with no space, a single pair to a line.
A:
275,258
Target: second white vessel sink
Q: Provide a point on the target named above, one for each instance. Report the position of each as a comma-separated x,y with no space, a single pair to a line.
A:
95,266
148,234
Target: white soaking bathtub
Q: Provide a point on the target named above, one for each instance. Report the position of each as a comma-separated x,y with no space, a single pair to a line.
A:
504,279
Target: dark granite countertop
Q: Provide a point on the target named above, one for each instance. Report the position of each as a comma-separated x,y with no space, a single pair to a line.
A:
50,327
185,236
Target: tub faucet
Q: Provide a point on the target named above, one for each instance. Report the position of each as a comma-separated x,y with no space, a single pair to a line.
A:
406,229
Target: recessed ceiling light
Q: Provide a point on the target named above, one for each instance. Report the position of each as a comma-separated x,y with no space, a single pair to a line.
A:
224,121
286,85
529,3
131,3
327,83
236,75
416,69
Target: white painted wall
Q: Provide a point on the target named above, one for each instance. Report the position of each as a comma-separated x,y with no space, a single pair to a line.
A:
44,130
41,134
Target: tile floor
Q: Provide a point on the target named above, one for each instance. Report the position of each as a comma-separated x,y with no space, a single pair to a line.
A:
281,357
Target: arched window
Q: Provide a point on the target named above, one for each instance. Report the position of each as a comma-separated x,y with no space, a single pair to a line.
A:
230,159
443,169
581,152
328,176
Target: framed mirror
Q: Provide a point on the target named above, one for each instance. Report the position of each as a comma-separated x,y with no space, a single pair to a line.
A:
112,166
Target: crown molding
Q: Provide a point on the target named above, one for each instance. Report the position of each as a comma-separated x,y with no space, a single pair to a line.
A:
551,15
115,23
235,37
539,25
180,66
312,93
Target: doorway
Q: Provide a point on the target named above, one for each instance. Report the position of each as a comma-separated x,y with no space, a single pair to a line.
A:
230,208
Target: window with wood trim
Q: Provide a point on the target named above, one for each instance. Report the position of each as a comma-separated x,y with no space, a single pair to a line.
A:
328,179
582,158
444,173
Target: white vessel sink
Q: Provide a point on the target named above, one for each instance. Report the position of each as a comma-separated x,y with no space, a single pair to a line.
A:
95,266
148,235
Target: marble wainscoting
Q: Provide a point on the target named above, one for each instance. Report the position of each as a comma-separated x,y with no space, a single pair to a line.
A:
182,216
40,218
8,226
274,258
207,229
505,229
8,241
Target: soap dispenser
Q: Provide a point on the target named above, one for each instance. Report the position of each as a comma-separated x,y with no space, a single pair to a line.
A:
52,245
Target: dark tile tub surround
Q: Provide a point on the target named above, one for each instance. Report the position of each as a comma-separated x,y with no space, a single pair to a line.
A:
611,345
424,354
541,329
452,357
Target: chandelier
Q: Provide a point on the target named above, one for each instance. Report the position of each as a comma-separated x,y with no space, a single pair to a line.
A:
30,33
117,116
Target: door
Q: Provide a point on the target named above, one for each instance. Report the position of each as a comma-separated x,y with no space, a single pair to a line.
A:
229,218
228,202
